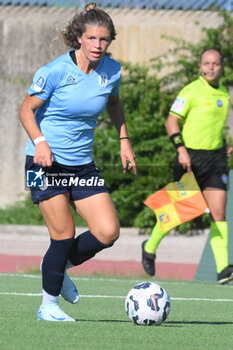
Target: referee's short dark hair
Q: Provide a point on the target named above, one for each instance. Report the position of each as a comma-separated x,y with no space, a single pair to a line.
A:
213,49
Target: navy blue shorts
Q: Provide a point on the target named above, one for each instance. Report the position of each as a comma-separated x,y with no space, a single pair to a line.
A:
80,181
209,168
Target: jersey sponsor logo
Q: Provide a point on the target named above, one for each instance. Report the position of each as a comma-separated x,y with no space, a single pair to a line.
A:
178,105
103,80
219,103
70,80
39,84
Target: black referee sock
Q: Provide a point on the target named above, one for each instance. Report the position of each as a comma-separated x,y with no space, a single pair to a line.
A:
54,263
85,246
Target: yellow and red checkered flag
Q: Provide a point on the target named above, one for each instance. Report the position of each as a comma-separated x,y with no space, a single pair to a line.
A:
177,202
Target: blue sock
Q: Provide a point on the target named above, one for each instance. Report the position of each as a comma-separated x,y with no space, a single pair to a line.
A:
54,263
85,246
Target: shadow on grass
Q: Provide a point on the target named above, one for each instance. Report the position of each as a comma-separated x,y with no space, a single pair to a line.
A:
166,324
112,321
197,322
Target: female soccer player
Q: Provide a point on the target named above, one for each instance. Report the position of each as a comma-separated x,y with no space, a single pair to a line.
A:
59,114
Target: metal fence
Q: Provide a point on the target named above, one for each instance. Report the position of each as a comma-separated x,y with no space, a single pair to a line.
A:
130,4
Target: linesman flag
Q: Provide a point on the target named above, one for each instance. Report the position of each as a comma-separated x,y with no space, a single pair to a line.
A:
177,202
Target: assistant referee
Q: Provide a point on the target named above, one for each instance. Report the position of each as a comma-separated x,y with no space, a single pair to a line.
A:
202,106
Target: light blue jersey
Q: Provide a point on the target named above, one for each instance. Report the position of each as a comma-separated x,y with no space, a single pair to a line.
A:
73,101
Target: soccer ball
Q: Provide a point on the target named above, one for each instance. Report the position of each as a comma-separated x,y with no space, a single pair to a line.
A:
147,304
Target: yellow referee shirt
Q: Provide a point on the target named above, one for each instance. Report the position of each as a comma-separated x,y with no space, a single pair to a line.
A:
204,110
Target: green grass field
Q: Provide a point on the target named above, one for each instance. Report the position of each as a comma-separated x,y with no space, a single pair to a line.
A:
201,317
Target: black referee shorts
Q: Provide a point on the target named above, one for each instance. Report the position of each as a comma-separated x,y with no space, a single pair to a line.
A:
209,168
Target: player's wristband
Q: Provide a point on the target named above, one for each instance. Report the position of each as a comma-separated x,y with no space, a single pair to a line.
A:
177,140
38,140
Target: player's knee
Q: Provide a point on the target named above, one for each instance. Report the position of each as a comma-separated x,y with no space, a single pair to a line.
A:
58,233
110,233
115,233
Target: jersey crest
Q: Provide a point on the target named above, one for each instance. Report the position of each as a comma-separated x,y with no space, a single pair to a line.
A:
219,103
103,79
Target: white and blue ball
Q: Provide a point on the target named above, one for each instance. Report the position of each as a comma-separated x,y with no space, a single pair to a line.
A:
147,304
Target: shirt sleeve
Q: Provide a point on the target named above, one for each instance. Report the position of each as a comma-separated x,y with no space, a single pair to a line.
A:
43,84
115,90
182,103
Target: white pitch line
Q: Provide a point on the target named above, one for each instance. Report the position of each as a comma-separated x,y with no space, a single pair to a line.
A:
118,297
19,275
75,278
22,294
103,296
126,280
201,299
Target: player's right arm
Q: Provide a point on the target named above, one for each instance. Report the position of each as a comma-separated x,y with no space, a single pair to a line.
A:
43,154
173,131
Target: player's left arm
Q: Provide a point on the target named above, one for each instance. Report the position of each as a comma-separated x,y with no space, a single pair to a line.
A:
117,116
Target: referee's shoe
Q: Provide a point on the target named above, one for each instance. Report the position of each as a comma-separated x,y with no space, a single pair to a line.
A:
226,275
148,261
